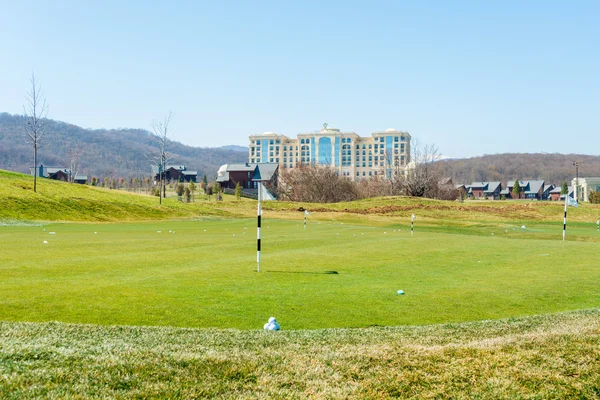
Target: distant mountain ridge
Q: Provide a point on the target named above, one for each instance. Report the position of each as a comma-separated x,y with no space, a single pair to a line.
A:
552,168
123,153
105,152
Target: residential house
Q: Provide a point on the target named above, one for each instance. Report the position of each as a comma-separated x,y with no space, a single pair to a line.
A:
556,195
56,173
175,173
530,190
482,190
249,175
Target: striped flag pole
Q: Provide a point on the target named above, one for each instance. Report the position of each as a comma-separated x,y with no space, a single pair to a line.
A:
304,219
565,218
259,213
412,224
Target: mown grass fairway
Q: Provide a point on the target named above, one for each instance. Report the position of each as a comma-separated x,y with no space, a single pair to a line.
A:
201,275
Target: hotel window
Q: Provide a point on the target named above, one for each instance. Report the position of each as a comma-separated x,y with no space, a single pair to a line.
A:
402,138
402,147
364,165
277,160
277,141
271,141
364,146
252,160
395,145
370,146
271,160
395,138
382,139
363,173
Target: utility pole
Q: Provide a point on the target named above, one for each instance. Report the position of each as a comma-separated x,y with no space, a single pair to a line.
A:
577,180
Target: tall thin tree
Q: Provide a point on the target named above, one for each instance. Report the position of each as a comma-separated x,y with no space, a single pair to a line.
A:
35,111
161,132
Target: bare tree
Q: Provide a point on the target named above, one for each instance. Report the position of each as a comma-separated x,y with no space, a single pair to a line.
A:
74,153
316,184
36,111
422,176
160,130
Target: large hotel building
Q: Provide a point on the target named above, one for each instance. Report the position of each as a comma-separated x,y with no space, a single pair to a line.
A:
352,155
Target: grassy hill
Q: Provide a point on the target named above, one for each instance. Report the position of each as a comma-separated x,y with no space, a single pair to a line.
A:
113,153
59,201
554,356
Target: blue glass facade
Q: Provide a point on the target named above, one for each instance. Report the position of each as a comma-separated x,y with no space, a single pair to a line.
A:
337,151
264,150
325,151
313,152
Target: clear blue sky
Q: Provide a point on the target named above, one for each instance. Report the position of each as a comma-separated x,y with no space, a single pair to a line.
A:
472,77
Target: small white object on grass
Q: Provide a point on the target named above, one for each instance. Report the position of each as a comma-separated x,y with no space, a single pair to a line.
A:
234,235
205,230
51,233
337,234
400,292
385,233
157,231
44,230
355,235
244,233
45,242
272,325
523,227
362,234
492,233
95,233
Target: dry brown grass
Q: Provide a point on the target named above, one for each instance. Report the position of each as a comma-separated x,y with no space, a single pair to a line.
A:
555,356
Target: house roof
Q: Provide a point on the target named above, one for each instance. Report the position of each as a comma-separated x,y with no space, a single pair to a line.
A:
80,177
190,172
535,186
246,167
177,167
492,186
264,171
223,177
477,185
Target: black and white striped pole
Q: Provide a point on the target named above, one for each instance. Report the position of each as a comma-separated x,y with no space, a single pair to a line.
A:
565,217
259,213
304,219
412,224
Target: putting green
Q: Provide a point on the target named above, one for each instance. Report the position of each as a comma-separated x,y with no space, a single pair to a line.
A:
203,274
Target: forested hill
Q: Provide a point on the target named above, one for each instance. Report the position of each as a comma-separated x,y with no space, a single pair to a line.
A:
553,168
104,152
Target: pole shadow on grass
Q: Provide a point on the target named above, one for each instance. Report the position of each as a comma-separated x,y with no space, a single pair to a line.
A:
305,272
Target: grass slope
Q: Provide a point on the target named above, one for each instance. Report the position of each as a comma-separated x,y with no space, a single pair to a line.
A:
555,356
60,201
